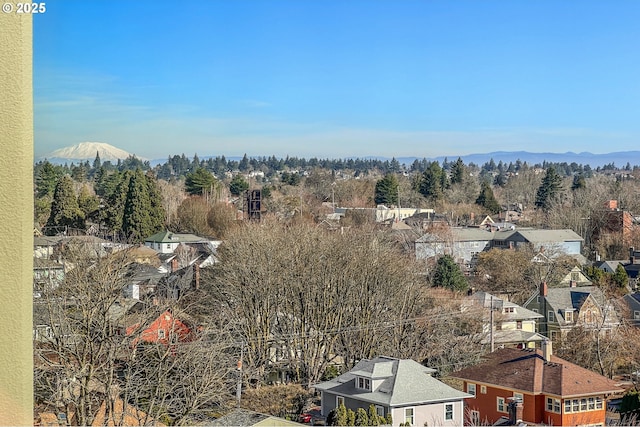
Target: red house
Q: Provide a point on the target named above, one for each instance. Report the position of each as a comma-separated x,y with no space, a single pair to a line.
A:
165,329
534,386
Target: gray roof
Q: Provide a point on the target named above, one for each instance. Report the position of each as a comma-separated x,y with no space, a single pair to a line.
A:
169,237
245,417
542,236
520,313
506,336
460,234
405,382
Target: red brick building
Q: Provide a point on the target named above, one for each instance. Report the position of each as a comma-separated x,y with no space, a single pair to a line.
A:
544,389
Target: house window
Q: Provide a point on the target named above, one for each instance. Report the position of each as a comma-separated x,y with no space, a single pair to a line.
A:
518,396
475,418
483,389
161,334
553,405
575,276
583,404
379,411
509,310
535,310
550,316
448,411
636,315
408,415
471,389
576,405
553,335
598,402
568,316
501,406
339,401
168,246
364,383
592,404
519,324
567,406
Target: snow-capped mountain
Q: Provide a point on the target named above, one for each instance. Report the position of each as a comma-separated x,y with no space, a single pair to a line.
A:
87,151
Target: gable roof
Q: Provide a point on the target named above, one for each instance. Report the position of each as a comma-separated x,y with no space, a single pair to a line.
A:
169,237
245,417
485,299
404,382
526,370
566,297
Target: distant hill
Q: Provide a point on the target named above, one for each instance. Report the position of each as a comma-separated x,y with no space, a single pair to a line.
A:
87,151
620,159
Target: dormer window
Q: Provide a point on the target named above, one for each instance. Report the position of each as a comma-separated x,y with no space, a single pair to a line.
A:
568,316
363,383
509,310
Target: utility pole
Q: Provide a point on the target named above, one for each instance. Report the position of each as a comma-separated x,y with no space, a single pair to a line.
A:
239,385
491,325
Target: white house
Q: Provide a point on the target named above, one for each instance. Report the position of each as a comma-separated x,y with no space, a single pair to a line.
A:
403,388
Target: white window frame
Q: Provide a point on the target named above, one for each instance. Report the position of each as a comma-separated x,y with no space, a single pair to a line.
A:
379,411
501,404
557,406
413,413
475,417
599,402
448,411
471,388
636,314
550,316
340,400
483,389
549,405
162,334
568,316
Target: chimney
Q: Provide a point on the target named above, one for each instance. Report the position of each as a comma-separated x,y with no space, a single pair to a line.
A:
196,275
174,265
516,411
544,290
547,350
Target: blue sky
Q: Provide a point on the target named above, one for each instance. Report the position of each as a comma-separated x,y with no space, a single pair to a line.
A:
338,78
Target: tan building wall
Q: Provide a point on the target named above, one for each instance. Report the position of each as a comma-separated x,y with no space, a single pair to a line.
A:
16,216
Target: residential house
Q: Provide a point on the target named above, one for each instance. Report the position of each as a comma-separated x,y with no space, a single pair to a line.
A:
164,329
463,244
540,387
166,242
633,268
403,388
47,274
632,302
567,307
505,323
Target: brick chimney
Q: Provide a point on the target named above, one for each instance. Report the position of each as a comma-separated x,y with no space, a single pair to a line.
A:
547,350
174,265
516,411
544,290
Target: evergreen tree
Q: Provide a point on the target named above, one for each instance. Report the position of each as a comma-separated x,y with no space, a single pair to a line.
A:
47,177
486,199
457,171
448,275
89,204
157,214
238,185
96,162
578,182
64,208
386,191
136,220
362,419
199,182
374,419
549,189
341,415
115,194
433,182
620,277
243,166
351,417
